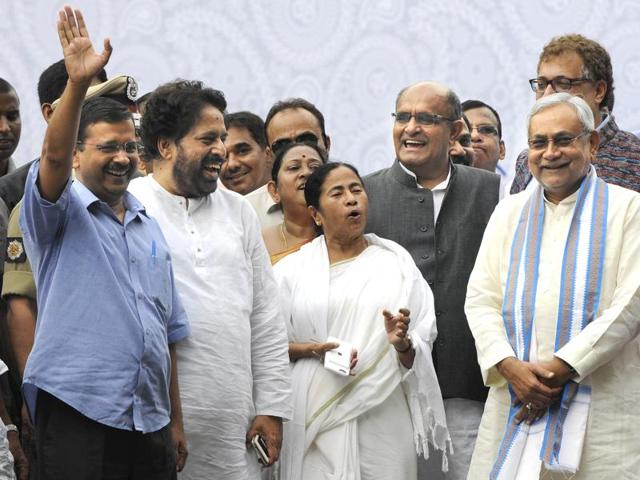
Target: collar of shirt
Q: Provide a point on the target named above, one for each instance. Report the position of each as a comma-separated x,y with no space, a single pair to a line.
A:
188,204
438,191
132,206
441,186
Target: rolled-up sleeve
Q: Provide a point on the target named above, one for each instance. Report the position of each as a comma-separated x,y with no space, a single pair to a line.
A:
40,219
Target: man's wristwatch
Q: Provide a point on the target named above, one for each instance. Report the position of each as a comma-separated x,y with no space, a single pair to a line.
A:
11,428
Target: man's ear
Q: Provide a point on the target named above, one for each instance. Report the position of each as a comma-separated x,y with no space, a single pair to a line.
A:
503,150
269,158
46,111
273,191
166,148
327,142
313,211
456,129
601,91
76,159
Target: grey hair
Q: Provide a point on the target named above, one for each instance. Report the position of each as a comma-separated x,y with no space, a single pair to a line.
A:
583,111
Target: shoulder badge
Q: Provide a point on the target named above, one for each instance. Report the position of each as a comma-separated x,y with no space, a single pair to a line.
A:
15,250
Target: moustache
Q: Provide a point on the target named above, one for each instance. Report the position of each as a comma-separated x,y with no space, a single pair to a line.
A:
212,158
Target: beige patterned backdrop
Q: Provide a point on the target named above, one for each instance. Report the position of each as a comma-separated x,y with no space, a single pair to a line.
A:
350,57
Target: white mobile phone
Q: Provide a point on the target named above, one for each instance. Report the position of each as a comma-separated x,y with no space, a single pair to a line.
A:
260,447
338,360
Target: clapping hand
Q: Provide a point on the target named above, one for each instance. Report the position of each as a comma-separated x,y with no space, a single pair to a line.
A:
83,63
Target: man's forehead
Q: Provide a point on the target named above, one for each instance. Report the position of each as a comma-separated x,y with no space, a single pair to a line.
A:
294,119
481,115
210,119
565,64
9,100
429,95
107,129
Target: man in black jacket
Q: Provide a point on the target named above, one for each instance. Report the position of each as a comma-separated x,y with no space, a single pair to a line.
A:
438,211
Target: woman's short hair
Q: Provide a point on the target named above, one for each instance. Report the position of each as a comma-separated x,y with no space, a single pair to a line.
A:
313,187
277,161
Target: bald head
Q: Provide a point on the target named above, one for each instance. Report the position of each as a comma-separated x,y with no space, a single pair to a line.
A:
435,89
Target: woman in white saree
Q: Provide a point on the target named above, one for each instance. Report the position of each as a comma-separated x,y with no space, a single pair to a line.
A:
345,284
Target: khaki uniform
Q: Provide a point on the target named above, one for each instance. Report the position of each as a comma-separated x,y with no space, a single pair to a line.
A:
18,277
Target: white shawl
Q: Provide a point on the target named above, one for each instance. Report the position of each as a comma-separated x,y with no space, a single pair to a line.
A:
304,281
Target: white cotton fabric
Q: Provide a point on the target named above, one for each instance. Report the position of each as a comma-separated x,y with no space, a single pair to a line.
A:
605,354
332,434
234,365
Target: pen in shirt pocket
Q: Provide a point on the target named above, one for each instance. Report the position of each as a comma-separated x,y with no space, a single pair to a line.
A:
153,253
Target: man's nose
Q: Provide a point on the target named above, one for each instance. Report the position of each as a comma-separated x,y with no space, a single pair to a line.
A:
4,124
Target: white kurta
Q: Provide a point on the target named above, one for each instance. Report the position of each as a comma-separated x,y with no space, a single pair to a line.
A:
235,363
367,426
606,353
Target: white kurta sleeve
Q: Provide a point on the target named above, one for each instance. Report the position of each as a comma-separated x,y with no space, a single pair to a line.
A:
619,323
269,346
485,297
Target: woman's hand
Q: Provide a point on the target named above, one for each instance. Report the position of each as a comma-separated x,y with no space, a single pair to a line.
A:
317,350
397,327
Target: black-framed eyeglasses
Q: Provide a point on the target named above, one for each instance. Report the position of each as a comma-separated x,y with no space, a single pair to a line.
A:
111,148
306,137
422,118
485,130
559,141
558,84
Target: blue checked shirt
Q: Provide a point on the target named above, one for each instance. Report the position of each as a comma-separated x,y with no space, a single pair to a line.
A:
107,308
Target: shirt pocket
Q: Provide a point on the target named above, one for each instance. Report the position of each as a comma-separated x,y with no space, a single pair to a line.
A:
160,276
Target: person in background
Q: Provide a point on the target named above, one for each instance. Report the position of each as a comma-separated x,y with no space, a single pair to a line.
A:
249,158
291,168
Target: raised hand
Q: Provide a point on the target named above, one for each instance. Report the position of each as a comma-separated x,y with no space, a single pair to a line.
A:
397,327
82,61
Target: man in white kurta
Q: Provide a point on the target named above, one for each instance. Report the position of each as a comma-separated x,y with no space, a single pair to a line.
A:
605,354
235,366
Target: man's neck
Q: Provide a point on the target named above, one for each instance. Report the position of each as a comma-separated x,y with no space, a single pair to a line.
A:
4,166
430,176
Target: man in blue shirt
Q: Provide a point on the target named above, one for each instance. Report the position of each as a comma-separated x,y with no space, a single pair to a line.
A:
101,380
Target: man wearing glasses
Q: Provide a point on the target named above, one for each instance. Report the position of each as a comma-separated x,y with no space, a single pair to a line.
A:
437,211
582,67
101,380
553,304
291,120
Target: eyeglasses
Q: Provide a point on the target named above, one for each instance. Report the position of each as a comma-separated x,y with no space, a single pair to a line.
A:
559,141
306,137
111,148
559,84
485,130
422,118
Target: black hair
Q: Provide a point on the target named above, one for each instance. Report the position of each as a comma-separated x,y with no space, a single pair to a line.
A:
53,81
292,103
277,161
471,104
173,109
6,87
251,122
101,109
313,186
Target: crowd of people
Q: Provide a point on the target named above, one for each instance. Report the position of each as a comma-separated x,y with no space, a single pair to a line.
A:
197,294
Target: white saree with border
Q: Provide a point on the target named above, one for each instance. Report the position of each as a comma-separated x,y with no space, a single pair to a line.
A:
367,426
